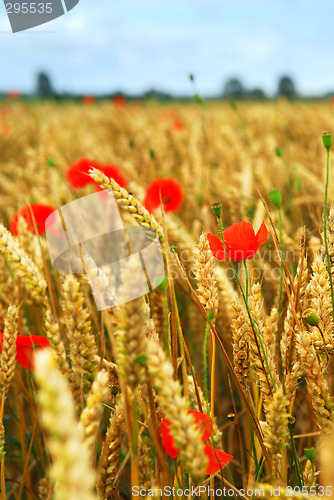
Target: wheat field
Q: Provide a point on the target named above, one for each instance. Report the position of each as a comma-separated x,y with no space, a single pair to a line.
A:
217,383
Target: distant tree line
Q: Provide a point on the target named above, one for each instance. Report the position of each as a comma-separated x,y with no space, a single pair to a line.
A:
232,89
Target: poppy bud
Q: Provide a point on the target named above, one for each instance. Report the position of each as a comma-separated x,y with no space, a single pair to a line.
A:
51,162
275,197
327,140
279,152
311,317
309,453
199,199
216,209
191,78
233,105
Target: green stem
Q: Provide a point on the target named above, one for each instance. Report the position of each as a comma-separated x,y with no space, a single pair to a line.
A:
254,326
135,428
299,471
280,295
205,362
325,232
246,274
281,244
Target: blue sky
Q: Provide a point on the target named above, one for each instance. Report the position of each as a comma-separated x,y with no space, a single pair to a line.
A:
134,45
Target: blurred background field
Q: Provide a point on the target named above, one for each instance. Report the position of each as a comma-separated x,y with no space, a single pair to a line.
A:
231,153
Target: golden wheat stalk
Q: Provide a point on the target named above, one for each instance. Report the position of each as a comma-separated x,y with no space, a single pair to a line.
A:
8,356
203,269
322,402
321,303
276,432
260,356
175,407
240,343
23,264
83,350
109,458
132,325
128,202
91,415
71,472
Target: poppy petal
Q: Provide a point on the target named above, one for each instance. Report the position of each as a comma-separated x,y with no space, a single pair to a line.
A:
167,439
24,355
77,173
217,459
203,423
170,192
35,212
262,234
240,241
25,348
216,246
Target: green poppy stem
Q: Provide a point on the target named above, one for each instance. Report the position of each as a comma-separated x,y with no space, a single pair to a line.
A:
205,362
246,275
325,231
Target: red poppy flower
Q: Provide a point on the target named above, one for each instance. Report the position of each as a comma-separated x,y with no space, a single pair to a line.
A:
217,459
119,101
171,195
77,173
88,100
240,240
37,211
13,94
25,347
178,125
